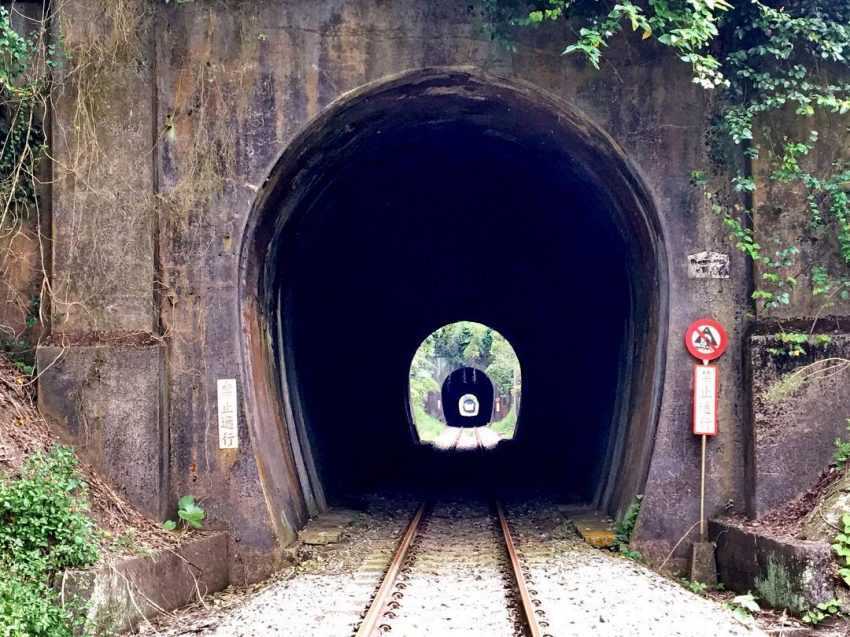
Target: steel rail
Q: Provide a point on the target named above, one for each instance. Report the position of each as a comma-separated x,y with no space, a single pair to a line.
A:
370,626
527,603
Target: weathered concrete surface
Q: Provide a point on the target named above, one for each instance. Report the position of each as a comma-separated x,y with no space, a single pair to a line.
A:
703,564
108,400
821,524
792,574
24,251
104,272
218,94
123,594
21,273
328,527
597,530
798,412
781,217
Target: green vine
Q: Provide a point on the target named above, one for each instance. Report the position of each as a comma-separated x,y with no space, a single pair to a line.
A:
23,92
765,62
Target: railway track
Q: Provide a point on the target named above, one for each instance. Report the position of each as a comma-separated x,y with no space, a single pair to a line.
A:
456,570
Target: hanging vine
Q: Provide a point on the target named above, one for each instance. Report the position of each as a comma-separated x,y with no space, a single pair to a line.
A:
764,62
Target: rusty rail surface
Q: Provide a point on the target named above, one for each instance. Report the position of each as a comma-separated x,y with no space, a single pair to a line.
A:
382,603
526,602
370,626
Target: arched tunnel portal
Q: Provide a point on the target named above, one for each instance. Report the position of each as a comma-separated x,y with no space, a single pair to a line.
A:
437,196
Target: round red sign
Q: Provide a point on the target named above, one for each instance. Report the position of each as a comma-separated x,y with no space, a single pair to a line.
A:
706,339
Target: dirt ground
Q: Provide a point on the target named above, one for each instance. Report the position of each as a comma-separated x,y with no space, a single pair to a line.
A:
24,432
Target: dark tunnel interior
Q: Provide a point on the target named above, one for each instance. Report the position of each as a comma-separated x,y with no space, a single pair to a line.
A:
428,224
462,383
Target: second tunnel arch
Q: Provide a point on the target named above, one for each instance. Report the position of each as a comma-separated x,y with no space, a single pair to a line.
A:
512,113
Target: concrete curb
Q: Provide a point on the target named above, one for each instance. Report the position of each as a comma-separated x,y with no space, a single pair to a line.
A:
784,573
123,594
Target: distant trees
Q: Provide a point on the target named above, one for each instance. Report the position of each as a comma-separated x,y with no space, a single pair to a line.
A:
464,344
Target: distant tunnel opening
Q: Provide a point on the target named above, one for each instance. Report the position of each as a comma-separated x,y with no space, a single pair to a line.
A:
467,395
444,198
464,375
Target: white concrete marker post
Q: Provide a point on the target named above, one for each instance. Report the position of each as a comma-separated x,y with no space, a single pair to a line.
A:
706,340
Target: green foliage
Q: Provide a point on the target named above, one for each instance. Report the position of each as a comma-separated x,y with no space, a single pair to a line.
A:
44,529
698,588
842,450
841,546
455,345
189,512
793,344
822,611
764,62
507,425
744,606
20,352
23,87
466,343
625,528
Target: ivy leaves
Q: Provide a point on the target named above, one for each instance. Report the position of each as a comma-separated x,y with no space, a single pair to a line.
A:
15,52
23,84
841,546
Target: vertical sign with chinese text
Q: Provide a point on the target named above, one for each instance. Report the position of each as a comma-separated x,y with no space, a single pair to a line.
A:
705,400
228,427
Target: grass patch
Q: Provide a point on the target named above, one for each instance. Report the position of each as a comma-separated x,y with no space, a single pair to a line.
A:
507,425
427,426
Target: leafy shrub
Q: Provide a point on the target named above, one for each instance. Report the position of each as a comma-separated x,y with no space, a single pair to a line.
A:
841,546
625,527
189,512
744,606
822,611
30,608
44,528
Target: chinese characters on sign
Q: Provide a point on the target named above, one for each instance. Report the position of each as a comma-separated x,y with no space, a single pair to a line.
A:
228,429
708,265
705,400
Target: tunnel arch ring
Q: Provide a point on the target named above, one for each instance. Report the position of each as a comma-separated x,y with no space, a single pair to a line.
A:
512,106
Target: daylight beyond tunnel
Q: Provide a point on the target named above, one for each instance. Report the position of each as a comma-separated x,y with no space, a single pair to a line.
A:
422,223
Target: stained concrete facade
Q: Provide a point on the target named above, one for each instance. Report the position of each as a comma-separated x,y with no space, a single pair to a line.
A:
152,213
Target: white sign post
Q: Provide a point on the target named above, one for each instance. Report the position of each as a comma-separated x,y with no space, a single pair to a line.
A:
705,423
706,340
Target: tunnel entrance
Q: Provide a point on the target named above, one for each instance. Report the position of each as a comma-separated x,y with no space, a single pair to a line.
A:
437,195
464,375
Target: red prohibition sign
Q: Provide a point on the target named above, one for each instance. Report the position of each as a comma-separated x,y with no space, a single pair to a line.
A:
706,339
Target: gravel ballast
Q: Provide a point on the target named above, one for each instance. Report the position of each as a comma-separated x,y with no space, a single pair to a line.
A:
458,585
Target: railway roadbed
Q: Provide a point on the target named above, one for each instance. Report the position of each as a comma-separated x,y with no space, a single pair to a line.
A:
460,580
451,575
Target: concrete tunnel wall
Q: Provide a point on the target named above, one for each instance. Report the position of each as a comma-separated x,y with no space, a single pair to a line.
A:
178,298
548,136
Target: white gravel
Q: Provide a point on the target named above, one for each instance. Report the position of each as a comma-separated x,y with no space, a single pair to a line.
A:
585,591
456,581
